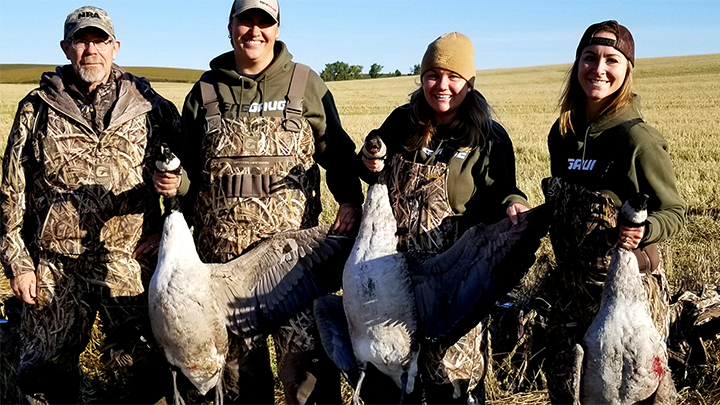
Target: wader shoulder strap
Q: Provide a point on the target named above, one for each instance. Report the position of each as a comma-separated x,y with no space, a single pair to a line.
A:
294,98
614,135
293,101
211,105
622,129
625,126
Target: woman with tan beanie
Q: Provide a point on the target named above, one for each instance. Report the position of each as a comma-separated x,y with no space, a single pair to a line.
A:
448,166
601,154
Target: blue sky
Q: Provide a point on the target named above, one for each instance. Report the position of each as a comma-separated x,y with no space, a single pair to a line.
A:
393,33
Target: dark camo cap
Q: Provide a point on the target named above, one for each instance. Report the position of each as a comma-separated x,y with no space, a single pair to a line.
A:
624,42
88,16
269,6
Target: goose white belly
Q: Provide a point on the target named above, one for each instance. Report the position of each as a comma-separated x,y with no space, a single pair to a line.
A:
624,351
382,318
184,315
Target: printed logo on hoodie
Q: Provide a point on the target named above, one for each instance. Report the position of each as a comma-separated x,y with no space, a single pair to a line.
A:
579,164
266,106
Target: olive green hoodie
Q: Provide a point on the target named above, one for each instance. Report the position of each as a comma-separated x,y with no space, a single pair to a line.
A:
264,95
621,155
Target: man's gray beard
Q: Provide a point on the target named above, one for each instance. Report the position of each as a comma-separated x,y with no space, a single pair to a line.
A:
91,75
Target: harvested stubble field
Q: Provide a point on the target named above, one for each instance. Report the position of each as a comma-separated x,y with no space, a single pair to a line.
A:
681,97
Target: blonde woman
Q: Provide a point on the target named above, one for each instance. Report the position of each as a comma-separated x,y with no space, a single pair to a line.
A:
602,153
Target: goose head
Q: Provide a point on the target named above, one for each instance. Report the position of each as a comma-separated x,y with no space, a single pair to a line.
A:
634,211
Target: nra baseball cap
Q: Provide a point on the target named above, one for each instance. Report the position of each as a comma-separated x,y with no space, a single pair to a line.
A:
269,6
88,16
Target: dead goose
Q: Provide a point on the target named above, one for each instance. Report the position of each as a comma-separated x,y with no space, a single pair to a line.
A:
625,357
193,304
393,302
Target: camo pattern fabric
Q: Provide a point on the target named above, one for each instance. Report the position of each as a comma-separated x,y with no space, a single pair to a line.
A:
259,179
295,336
583,232
418,195
71,191
463,364
53,335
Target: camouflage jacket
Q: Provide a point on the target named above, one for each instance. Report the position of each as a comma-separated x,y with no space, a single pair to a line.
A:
81,187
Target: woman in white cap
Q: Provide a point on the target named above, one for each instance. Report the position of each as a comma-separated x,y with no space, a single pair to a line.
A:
256,126
448,166
602,153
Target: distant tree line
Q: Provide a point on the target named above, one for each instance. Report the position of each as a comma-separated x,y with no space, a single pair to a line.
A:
337,71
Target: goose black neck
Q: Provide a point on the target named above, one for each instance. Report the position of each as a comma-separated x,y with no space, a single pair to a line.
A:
171,204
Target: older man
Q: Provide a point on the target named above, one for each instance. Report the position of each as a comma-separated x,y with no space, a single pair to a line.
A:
78,207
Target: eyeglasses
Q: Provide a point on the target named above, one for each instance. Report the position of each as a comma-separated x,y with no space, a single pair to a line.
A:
82,44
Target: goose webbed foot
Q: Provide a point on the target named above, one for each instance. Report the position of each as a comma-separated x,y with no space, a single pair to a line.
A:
177,398
576,377
356,395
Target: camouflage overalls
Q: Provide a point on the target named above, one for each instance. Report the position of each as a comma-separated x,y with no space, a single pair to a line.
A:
259,178
583,232
74,206
426,224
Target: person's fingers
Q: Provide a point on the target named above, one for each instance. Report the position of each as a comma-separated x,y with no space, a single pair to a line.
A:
630,237
374,165
24,287
341,225
28,292
345,219
166,184
512,213
346,226
148,245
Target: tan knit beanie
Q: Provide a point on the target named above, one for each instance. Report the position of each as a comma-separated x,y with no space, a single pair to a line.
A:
452,51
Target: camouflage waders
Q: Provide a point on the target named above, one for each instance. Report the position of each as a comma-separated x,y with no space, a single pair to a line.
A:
583,232
56,331
75,205
418,195
259,179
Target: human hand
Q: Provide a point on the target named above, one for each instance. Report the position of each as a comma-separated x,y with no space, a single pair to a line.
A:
148,245
374,165
166,184
345,220
25,287
513,210
630,237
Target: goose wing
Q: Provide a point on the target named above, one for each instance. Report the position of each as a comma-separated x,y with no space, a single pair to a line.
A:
335,336
278,277
455,289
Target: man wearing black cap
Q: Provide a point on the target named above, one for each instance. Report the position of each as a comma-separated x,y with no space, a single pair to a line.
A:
78,216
